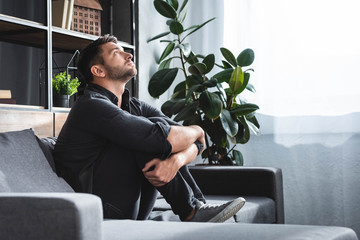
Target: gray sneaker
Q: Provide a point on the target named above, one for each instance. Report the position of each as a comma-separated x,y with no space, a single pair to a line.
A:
218,212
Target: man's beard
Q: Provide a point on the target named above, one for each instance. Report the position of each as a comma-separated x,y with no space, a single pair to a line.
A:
115,73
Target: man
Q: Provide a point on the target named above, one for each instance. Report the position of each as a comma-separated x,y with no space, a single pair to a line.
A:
124,150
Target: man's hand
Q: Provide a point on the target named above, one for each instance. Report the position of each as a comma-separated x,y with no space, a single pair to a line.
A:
159,172
162,171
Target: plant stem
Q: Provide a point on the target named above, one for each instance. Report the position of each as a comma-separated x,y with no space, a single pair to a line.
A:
231,150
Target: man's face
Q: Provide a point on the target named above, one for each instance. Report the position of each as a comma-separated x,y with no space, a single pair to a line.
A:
117,63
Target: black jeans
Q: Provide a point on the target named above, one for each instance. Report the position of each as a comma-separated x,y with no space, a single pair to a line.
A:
126,193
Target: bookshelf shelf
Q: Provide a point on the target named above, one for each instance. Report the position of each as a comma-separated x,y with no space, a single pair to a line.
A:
50,39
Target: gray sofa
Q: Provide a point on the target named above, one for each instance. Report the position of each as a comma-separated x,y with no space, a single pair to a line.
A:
36,204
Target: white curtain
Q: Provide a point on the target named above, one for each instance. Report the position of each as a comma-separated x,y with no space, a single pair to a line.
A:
307,58
307,53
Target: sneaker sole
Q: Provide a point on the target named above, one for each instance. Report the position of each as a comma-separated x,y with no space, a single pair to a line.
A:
229,211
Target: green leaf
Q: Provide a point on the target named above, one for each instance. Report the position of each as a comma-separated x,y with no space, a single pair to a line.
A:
182,19
169,48
238,158
173,3
198,27
253,120
253,128
165,64
243,136
210,83
211,104
172,107
161,81
183,5
244,109
185,48
228,123
158,36
228,56
193,88
179,90
193,80
236,80
197,68
226,64
191,59
187,112
244,84
165,9
246,57
176,27
250,87
224,76
209,61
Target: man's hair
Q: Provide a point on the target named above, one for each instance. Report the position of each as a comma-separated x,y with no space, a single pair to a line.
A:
91,55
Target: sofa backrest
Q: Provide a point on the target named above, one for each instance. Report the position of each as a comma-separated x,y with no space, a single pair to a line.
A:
24,167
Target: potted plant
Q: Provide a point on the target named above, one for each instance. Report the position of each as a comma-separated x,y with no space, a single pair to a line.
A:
63,87
215,102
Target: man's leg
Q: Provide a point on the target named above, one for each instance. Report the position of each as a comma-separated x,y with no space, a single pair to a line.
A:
118,182
191,181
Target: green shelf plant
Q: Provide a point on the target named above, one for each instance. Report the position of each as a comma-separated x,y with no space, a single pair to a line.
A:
215,102
63,85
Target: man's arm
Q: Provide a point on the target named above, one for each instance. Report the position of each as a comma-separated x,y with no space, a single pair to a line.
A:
181,138
165,170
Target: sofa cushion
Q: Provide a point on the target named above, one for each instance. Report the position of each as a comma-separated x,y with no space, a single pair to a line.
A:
127,229
23,166
47,145
255,210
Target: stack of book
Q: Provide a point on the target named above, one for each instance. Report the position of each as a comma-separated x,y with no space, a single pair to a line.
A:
5,97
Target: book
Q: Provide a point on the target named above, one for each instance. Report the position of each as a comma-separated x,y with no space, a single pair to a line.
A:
8,100
69,14
59,12
5,93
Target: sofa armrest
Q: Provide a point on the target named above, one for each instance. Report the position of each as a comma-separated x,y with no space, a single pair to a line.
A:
243,181
60,216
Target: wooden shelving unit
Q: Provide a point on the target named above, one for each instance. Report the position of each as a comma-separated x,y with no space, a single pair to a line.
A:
50,39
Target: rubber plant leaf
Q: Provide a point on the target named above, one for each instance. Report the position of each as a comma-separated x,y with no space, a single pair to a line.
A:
173,106
244,109
197,68
187,112
200,26
209,61
185,48
228,123
176,27
238,157
161,81
244,136
224,76
211,104
159,36
183,5
228,56
173,3
236,80
169,48
246,57
165,9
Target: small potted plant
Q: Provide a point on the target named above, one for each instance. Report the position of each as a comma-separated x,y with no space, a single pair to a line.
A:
63,87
